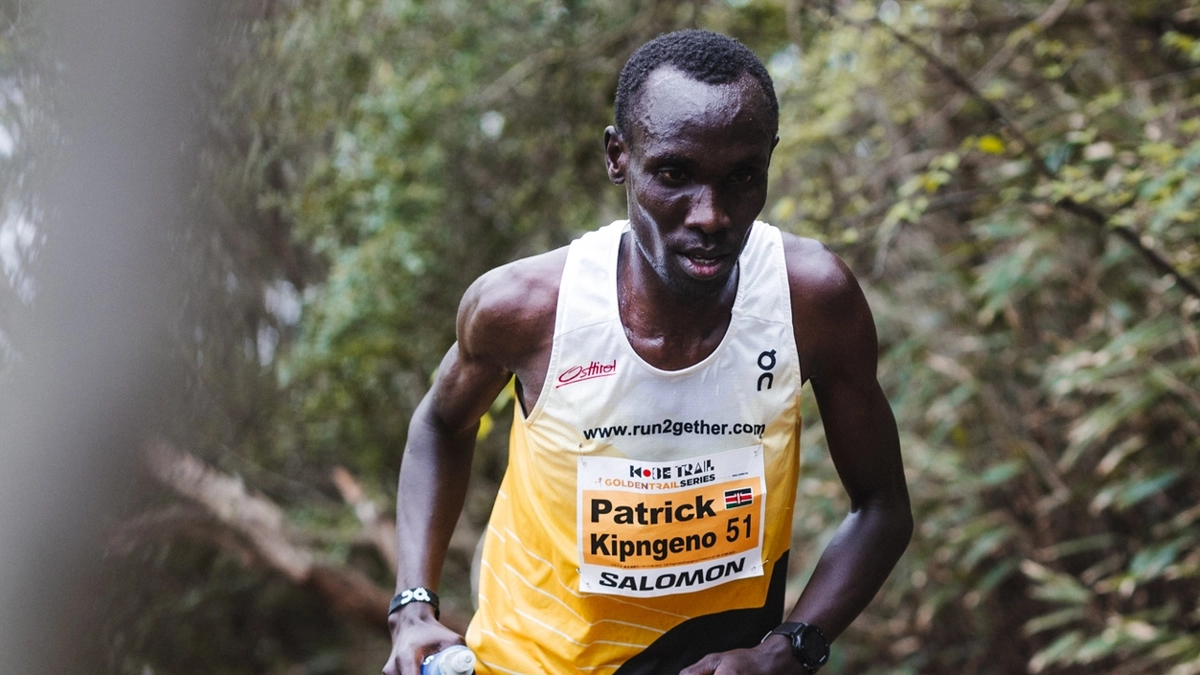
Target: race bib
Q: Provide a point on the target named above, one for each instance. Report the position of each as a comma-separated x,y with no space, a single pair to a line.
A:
648,529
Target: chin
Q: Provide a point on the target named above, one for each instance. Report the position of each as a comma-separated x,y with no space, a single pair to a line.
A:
689,287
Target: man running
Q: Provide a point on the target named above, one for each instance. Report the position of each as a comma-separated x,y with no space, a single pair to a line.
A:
644,521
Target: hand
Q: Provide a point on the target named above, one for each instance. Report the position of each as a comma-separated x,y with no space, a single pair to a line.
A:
415,635
773,657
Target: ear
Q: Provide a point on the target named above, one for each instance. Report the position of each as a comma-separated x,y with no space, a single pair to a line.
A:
616,156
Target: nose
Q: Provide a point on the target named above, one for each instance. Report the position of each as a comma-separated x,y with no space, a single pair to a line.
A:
705,212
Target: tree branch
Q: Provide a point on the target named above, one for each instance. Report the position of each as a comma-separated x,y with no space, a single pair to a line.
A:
259,522
1089,213
1130,237
380,530
1015,42
256,529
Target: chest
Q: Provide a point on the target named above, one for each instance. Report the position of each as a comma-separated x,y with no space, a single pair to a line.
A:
601,396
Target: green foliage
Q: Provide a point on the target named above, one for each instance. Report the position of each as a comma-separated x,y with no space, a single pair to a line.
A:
1015,183
1043,368
460,136
182,608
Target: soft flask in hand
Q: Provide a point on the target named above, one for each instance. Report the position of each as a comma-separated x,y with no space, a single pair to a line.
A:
456,660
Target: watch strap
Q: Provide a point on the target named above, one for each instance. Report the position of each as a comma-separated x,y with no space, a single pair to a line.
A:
799,633
415,594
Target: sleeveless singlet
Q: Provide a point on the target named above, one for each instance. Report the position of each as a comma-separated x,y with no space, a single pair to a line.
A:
645,516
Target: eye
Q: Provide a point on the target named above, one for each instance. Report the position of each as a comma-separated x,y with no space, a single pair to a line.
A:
743,176
672,174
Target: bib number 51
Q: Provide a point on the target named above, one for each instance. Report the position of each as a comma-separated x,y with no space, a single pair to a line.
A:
735,528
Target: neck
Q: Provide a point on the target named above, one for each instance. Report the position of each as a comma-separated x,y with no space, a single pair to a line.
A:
669,328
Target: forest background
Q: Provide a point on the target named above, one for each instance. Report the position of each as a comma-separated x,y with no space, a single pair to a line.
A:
1014,182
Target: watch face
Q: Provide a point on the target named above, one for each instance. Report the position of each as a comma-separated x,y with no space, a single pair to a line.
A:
812,646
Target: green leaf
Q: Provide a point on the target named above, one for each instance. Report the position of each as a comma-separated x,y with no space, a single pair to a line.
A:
1002,473
1062,650
986,545
1054,586
1153,561
1055,619
1141,490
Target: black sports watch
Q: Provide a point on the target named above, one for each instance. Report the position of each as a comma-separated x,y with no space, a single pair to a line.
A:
809,645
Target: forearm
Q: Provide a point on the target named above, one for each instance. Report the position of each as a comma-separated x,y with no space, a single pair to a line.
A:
850,571
855,564
432,489
865,448
429,499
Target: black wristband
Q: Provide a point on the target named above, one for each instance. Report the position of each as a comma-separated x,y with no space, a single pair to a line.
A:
809,644
418,594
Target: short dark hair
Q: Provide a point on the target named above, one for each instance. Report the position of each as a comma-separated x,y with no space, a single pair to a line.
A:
703,55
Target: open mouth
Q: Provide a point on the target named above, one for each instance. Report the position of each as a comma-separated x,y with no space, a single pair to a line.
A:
704,265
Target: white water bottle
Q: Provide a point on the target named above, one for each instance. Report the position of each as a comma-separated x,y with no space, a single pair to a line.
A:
456,660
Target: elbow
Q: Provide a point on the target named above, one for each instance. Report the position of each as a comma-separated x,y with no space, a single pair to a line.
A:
902,521
900,508
892,513
886,512
904,526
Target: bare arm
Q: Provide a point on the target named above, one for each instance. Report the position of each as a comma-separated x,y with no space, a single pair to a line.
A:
432,488
501,329
836,339
840,353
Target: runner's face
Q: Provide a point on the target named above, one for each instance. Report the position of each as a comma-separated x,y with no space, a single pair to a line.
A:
695,172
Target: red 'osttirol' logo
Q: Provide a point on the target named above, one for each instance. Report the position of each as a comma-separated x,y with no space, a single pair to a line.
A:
589,372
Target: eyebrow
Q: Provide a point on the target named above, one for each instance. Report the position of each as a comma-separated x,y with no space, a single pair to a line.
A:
670,158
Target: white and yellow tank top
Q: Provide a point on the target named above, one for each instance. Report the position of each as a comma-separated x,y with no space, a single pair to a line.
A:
645,517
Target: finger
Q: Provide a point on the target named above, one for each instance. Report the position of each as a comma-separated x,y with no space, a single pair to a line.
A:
391,668
409,665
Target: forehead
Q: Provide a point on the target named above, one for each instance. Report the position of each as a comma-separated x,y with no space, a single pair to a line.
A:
672,103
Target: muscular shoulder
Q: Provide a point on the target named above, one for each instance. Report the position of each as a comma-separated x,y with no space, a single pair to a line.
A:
818,279
507,315
833,324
